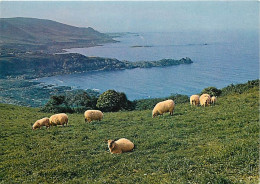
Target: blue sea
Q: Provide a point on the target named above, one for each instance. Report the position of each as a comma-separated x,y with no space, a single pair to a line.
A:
220,58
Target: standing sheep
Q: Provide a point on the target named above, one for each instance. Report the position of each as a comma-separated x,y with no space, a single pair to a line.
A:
91,115
41,122
194,100
59,119
213,100
163,107
205,100
120,146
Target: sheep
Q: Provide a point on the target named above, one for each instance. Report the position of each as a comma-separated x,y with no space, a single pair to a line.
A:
205,100
91,115
163,107
213,100
41,122
120,146
59,119
194,100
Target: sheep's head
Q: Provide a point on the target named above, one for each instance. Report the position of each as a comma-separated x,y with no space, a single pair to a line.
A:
35,125
155,114
111,144
48,121
208,101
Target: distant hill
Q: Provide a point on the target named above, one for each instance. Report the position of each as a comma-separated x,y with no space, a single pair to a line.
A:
47,33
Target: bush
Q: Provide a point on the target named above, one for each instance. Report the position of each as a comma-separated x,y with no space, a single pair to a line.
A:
81,101
178,98
111,101
212,91
56,104
76,101
148,104
240,88
125,104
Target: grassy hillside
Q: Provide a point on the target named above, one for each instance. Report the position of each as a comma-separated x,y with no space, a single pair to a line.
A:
217,144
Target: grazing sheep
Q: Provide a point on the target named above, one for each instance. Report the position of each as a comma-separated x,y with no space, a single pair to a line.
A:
59,119
91,115
205,100
120,146
163,107
194,100
213,100
41,122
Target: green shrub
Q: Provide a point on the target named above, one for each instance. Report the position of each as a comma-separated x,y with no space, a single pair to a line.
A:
56,104
125,104
74,101
212,91
240,88
178,98
148,104
111,101
81,101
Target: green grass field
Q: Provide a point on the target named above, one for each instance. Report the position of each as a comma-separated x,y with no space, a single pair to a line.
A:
217,144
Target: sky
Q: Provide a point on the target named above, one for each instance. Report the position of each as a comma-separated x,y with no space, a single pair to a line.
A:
141,16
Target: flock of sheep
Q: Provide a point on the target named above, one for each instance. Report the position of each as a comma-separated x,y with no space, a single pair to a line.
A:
122,145
203,100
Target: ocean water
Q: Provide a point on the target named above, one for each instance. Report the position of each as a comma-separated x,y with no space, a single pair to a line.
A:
220,58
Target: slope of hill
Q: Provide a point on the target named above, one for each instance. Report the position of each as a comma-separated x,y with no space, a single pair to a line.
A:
47,33
217,144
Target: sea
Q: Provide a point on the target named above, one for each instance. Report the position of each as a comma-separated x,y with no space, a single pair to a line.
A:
220,58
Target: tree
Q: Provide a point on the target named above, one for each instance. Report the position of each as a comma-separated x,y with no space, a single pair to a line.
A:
81,102
74,101
111,101
212,91
124,103
178,98
57,104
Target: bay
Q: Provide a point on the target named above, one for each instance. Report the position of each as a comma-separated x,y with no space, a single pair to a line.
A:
220,58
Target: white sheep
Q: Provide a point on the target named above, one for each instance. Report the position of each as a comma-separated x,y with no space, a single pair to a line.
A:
41,122
120,146
213,100
91,115
59,119
194,100
205,100
163,107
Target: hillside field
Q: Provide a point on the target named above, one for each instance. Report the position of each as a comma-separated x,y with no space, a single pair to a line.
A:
217,144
